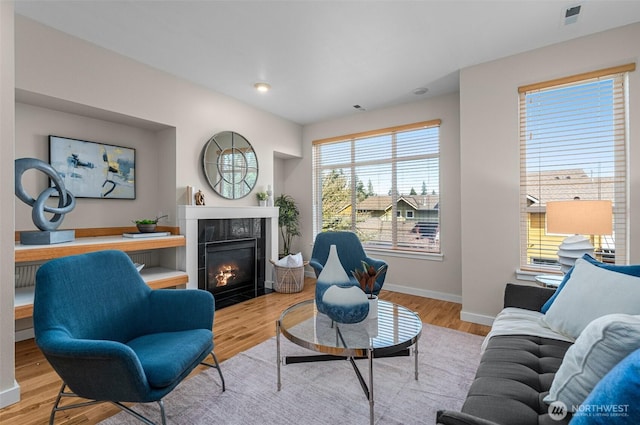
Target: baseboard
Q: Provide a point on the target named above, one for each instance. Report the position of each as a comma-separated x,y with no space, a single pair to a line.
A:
25,334
10,395
443,296
480,319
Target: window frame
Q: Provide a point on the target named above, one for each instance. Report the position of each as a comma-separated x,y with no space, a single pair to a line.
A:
619,75
395,213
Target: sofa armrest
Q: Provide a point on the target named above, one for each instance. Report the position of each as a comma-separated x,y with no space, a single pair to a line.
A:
450,417
526,296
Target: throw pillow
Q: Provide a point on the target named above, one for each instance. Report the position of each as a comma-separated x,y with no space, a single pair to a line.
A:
602,345
592,292
616,398
632,270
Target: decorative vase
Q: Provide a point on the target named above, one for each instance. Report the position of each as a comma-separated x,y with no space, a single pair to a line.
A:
345,303
373,306
332,274
262,203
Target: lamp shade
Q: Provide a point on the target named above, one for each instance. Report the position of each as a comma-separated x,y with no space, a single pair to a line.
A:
580,217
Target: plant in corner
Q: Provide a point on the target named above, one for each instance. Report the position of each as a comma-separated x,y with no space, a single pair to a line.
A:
288,220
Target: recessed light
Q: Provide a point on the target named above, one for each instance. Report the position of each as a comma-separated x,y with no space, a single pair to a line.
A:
262,87
420,91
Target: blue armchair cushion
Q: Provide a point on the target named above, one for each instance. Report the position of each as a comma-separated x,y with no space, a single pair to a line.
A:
165,356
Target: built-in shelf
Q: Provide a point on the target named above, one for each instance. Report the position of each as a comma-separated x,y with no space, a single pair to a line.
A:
155,277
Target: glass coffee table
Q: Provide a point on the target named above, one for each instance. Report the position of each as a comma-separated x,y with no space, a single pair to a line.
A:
392,333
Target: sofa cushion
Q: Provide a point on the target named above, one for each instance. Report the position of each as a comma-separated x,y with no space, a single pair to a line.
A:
603,344
514,376
632,270
616,398
592,292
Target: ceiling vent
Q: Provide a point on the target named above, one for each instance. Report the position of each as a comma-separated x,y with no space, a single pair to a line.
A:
571,14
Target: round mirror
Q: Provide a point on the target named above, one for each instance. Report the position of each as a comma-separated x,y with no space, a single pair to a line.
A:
230,164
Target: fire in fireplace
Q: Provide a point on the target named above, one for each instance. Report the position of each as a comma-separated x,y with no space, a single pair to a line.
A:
231,270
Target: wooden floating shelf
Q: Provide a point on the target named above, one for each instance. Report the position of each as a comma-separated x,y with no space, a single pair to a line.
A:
155,277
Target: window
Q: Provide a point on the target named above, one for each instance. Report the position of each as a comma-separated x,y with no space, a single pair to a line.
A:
379,184
573,144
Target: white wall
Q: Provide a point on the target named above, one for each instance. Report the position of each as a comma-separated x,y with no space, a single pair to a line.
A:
53,64
434,278
489,148
9,389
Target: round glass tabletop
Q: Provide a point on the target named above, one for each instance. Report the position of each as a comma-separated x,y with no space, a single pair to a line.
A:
395,328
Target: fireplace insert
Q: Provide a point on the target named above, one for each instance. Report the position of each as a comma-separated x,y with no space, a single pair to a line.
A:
231,270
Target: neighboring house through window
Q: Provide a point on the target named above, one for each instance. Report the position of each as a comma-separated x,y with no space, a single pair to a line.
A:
573,135
381,185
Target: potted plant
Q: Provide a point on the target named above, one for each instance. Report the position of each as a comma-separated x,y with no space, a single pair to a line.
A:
148,225
367,279
262,198
288,220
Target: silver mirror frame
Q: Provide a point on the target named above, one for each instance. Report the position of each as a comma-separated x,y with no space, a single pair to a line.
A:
230,165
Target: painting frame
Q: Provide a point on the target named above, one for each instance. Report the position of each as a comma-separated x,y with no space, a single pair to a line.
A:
92,169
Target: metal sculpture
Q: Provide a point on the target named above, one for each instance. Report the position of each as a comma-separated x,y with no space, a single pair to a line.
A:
66,203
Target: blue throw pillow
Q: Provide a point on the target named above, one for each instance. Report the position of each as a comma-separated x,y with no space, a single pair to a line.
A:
633,270
615,400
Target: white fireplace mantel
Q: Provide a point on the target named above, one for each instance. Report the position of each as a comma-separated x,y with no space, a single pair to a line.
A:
188,216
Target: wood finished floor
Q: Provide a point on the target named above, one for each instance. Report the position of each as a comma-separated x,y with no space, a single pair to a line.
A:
236,329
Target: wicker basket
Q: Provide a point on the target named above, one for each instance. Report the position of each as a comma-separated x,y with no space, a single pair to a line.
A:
289,279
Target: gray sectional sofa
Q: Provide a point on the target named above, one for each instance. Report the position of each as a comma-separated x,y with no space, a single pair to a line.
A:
554,357
515,373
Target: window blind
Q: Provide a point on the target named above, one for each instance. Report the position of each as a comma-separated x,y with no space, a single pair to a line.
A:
573,145
382,185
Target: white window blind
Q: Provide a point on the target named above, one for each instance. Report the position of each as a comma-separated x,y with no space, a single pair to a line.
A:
384,185
573,145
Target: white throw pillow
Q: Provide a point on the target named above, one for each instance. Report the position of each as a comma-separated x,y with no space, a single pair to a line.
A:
592,292
599,348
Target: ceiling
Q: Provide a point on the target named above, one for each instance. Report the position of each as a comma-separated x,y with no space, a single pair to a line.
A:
323,57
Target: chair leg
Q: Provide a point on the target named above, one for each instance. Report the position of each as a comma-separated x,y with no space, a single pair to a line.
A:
57,408
216,366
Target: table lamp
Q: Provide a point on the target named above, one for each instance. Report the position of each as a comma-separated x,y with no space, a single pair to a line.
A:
578,217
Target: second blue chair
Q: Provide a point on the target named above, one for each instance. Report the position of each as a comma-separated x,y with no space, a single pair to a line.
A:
351,255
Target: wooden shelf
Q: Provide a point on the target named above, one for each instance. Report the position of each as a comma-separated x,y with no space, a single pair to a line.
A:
24,253
155,277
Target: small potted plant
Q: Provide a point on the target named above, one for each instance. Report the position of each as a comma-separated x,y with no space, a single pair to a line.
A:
148,225
367,279
262,198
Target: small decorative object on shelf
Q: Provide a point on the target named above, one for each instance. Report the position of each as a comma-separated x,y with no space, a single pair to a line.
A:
262,198
331,274
345,303
269,196
199,198
148,225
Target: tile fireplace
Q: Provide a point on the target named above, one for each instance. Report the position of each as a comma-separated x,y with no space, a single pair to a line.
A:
228,250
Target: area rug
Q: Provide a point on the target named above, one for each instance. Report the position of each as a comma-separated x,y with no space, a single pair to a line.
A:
324,392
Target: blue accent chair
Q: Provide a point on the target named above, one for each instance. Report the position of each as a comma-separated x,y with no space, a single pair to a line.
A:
351,255
111,338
